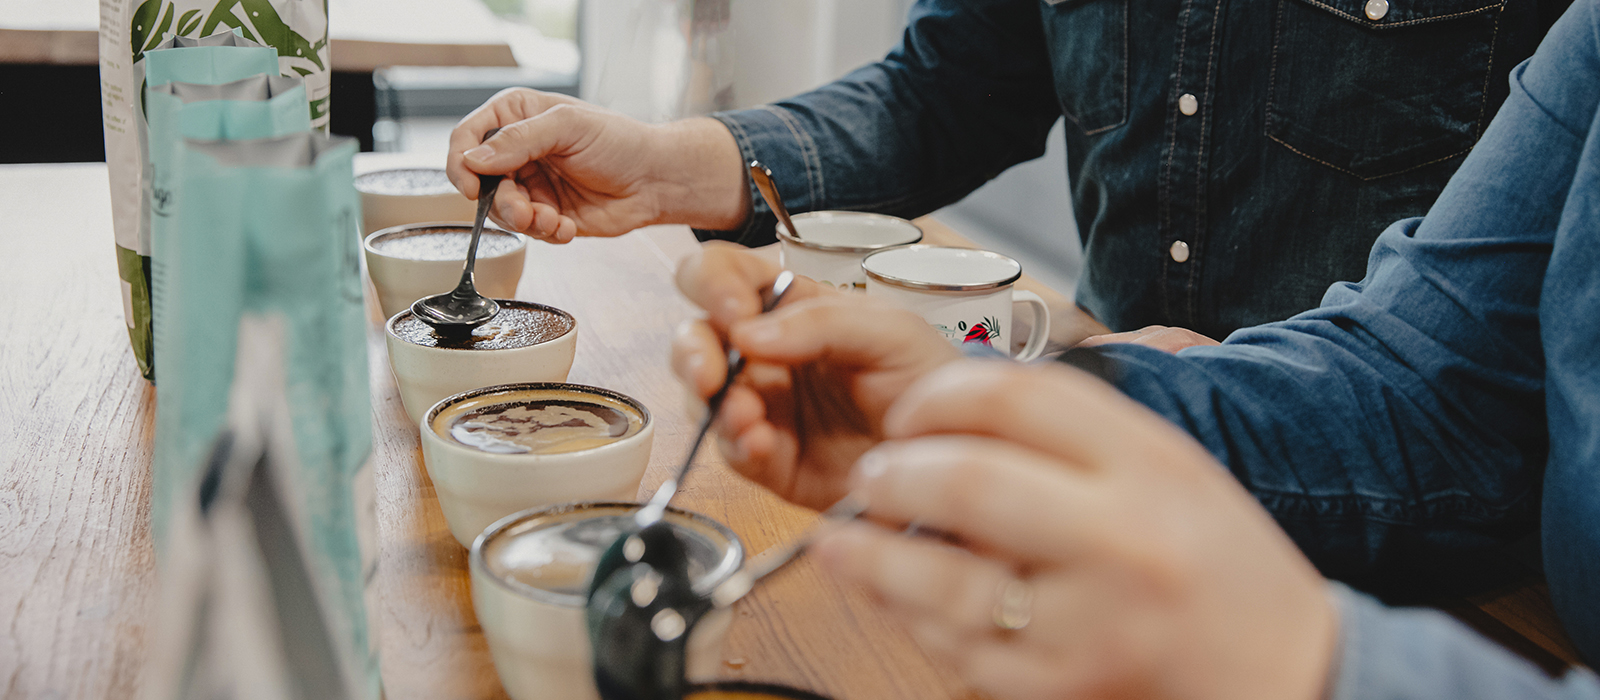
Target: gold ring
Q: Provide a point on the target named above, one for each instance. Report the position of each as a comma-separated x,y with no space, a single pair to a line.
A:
1014,609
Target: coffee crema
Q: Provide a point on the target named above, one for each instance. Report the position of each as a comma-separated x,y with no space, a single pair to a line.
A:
444,243
537,421
518,325
405,181
558,553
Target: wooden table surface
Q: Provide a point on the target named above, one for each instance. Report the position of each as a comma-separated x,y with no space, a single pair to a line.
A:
76,428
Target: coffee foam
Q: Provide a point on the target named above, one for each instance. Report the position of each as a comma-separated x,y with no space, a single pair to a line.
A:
405,181
557,553
443,243
537,421
518,325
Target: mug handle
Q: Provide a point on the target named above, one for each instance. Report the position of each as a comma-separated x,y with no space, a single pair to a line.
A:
1041,325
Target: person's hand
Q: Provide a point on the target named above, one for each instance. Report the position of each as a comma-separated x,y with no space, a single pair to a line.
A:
822,368
574,169
1165,338
1135,564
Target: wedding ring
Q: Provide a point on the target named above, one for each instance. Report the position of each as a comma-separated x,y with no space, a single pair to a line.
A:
1014,609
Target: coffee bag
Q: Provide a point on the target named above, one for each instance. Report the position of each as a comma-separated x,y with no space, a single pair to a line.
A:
287,37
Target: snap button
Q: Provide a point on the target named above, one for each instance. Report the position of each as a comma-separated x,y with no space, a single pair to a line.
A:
1376,9
1189,105
1179,251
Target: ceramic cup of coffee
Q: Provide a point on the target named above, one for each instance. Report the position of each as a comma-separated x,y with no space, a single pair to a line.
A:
497,450
413,261
398,196
964,294
530,576
832,244
526,342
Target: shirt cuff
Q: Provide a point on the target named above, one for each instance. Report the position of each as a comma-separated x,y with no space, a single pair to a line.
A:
773,136
1420,654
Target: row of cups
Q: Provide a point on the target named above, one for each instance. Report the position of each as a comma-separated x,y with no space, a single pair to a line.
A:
535,516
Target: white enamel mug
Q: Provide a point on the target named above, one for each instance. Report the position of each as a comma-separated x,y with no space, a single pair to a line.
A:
964,294
832,244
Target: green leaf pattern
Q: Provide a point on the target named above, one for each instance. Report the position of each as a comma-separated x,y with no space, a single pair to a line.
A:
256,20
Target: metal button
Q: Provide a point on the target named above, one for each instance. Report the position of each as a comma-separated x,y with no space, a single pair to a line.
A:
1189,105
1376,9
1179,251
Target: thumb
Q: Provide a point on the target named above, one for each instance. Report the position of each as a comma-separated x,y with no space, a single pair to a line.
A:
526,141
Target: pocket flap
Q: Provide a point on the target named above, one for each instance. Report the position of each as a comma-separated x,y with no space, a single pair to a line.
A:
1392,14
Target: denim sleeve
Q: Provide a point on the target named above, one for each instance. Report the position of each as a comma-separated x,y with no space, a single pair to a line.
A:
966,94
1398,431
1419,654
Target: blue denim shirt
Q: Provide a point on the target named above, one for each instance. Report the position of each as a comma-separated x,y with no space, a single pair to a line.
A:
1313,125
1449,402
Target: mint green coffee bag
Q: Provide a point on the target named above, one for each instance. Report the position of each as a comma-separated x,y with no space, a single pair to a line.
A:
220,58
262,503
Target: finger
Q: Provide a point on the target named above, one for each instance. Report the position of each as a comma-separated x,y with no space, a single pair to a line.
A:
698,357
728,280
1000,669
1054,409
927,579
507,106
546,220
1111,338
552,131
846,329
995,496
513,208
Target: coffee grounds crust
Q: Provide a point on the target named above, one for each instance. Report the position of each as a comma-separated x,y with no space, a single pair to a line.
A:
519,324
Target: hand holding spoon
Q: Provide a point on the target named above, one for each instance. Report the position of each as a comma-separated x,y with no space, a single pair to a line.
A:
642,602
459,311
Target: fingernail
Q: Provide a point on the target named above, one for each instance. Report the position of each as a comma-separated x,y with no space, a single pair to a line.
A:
871,467
479,153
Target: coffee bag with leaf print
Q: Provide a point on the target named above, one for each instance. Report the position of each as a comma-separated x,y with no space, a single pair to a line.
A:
215,41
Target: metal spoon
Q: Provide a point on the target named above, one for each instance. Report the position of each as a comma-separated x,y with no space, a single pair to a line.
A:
769,192
459,311
641,602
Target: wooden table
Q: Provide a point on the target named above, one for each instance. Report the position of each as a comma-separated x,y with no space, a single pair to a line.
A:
76,428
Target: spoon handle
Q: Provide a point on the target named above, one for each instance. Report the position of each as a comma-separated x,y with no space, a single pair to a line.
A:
487,185
776,557
657,507
762,175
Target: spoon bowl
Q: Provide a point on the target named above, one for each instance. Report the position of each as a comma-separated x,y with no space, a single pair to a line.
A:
462,309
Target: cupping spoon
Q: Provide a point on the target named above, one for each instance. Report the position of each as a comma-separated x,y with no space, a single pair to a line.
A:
641,601
459,311
769,192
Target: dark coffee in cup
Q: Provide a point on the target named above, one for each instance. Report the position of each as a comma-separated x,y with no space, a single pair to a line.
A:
539,421
518,325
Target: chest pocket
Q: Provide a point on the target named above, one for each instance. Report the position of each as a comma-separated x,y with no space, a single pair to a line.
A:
1377,87
1088,42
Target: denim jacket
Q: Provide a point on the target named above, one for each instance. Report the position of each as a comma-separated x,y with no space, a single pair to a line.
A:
1448,403
1228,160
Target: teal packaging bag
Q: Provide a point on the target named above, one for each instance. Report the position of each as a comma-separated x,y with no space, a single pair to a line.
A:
259,106
219,58
263,425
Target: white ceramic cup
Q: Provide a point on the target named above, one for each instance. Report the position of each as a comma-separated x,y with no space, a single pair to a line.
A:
832,244
537,633
965,294
396,196
476,488
400,279
428,374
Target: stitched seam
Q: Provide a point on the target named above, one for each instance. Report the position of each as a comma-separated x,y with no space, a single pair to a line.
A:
1483,108
1425,20
1201,165
807,153
1124,105
1374,177
1272,75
